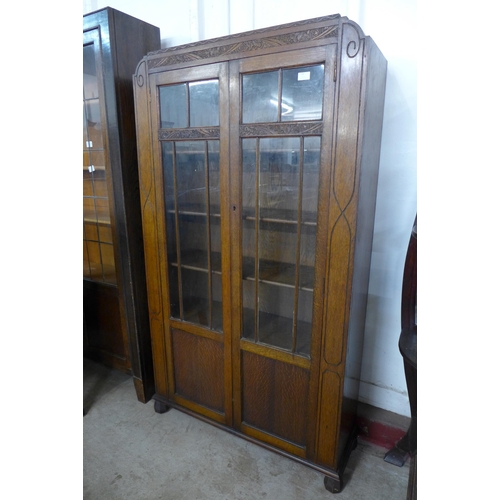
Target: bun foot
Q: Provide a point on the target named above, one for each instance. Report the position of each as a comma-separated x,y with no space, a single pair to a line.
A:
161,407
333,485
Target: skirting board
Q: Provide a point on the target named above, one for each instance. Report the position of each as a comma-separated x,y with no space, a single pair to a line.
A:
381,427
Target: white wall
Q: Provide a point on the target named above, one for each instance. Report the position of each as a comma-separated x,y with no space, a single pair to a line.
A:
392,25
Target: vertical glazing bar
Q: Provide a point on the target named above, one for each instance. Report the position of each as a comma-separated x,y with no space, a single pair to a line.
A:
257,224
297,250
103,277
177,232
188,108
280,92
209,234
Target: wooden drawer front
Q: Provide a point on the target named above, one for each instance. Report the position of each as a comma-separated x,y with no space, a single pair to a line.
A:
199,369
274,397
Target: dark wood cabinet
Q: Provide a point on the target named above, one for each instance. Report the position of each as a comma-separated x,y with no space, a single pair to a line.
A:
258,162
116,318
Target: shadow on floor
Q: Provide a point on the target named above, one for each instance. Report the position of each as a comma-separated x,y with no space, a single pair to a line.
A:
98,380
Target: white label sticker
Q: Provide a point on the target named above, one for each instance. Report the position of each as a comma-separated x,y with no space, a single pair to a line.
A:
304,75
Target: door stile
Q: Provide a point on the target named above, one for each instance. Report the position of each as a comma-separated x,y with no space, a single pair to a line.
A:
235,236
226,232
160,224
319,283
320,258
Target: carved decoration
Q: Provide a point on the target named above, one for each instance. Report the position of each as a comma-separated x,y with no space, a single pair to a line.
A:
189,133
141,68
258,130
338,286
354,44
246,34
247,46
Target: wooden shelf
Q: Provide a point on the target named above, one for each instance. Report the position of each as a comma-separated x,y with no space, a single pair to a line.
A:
270,272
269,216
104,221
197,311
276,331
195,209
97,168
278,273
197,260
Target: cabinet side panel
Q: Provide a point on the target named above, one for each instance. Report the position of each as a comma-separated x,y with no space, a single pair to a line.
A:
328,418
128,52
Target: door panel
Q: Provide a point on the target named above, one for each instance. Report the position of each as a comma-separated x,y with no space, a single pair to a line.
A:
199,369
273,397
277,188
191,116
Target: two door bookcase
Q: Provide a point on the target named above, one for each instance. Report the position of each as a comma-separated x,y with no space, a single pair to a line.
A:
258,163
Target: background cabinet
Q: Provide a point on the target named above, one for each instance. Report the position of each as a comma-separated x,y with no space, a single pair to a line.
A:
258,161
116,329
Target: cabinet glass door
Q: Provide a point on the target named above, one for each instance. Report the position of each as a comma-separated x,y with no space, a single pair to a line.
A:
189,121
98,253
191,112
280,177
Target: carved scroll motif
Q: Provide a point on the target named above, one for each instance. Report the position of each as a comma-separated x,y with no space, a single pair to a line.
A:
354,45
189,133
139,73
279,129
247,46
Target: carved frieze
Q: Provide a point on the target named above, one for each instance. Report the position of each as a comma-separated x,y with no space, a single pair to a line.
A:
174,134
280,129
247,46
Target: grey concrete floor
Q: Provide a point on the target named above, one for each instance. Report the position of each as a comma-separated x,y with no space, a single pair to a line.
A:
132,453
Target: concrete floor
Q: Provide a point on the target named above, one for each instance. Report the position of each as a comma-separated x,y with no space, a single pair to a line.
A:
132,453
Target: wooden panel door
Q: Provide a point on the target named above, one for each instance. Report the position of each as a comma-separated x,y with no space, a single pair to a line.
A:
190,115
279,132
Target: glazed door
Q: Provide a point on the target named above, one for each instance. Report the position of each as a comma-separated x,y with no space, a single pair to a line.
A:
98,255
278,132
240,154
105,333
191,114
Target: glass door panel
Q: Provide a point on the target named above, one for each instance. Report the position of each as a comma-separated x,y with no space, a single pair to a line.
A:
279,186
192,202
302,96
173,106
204,103
98,254
194,104
279,196
291,94
260,97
